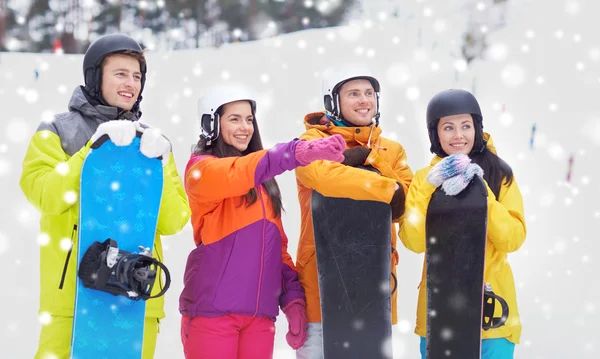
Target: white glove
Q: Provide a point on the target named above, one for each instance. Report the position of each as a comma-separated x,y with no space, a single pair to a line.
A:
153,144
121,132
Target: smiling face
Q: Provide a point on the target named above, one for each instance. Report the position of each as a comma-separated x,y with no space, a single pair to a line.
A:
121,81
358,102
237,124
456,133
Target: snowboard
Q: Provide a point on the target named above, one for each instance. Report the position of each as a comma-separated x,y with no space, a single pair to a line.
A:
120,193
456,229
353,248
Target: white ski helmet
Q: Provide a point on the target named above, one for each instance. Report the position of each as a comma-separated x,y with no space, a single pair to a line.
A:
333,81
209,104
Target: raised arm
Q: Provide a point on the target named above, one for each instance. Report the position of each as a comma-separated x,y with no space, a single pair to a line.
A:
208,178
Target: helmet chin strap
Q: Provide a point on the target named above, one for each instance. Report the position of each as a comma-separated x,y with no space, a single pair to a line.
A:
341,118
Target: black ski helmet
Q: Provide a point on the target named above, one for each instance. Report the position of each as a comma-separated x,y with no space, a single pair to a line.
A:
453,102
95,54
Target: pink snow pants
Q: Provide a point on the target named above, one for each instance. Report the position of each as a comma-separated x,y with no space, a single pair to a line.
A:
233,336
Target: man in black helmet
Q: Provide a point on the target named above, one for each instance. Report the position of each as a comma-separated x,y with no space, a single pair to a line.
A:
109,104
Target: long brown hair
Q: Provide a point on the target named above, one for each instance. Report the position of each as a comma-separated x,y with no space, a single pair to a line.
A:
221,149
496,171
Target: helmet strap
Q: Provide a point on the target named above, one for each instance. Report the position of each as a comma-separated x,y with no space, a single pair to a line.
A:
337,110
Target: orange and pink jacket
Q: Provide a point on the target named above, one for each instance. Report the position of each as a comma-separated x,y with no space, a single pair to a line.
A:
241,264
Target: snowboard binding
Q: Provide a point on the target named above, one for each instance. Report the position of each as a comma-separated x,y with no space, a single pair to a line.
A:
106,268
489,304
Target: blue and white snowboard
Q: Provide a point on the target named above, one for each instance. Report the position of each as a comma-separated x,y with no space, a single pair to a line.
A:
120,197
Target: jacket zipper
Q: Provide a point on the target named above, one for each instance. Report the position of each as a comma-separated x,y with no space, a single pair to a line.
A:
262,252
64,273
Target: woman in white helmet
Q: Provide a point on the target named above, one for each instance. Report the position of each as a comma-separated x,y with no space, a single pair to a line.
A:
240,273
351,99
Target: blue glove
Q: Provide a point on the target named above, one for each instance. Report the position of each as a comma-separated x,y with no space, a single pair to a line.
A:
454,185
448,167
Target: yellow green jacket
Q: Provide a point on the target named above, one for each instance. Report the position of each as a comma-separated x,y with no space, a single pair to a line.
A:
506,234
50,181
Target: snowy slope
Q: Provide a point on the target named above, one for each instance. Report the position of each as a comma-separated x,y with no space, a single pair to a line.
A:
553,83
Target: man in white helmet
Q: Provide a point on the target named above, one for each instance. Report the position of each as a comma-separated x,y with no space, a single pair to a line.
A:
351,99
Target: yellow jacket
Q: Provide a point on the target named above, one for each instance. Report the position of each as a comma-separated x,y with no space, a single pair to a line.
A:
337,180
66,141
506,234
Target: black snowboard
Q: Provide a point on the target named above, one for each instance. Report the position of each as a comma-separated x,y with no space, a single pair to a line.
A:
353,245
456,228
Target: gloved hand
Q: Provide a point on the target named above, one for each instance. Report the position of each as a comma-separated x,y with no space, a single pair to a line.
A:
397,202
454,185
448,167
356,156
153,144
295,313
121,132
329,148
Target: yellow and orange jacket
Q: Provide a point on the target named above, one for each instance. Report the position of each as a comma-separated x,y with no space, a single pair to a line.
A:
337,180
505,234
240,264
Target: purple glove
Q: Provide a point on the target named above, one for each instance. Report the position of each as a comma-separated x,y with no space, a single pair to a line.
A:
329,148
295,312
454,185
448,167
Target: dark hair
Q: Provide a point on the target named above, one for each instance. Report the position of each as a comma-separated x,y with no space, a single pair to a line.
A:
220,148
495,169
134,54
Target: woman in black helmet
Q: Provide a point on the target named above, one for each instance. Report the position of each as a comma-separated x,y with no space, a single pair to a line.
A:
455,126
114,71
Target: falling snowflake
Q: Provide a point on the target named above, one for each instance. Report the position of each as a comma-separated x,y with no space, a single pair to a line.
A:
556,151
70,197
398,74
31,96
413,93
62,168
404,326
446,333
45,318
498,52
66,244
114,186
197,70
302,44
43,239
48,116
506,119
572,7
513,75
